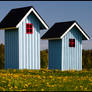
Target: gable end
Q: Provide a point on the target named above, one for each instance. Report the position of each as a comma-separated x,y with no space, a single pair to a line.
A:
79,28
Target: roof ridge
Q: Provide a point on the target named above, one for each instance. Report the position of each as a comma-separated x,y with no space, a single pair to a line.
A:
22,7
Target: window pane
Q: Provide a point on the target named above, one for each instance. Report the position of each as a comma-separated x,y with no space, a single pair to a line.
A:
30,30
71,42
27,30
74,40
27,25
30,25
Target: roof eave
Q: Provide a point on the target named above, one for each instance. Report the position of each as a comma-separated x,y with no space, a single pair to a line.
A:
7,28
50,38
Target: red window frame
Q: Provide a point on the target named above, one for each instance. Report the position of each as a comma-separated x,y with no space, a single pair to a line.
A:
71,42
29,28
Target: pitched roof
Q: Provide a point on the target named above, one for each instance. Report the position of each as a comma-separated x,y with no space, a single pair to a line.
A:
58,30
15,16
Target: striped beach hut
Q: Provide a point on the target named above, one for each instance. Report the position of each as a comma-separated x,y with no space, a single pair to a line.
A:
22,38
65,45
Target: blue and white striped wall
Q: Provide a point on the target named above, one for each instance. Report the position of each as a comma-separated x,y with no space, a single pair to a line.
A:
63,57
22,51
72,56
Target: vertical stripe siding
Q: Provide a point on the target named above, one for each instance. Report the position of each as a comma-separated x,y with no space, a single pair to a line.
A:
69,58
20,48
11,49
30,48
23,65
72,57
54,54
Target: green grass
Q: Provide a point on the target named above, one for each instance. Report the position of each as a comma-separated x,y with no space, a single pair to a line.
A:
45,80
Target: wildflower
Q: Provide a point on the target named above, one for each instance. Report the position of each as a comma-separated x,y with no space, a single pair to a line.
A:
4,81
44,77
14,70
90,80
50,77
52,85
76,87
85,89
57,70
9,85
43,72
25,85
16,87
42,89
81,87
9,80
1,88
64,79
90,83
15,76
39,76
47,83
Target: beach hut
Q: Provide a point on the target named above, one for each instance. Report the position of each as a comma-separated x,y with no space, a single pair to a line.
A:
22,38
65,45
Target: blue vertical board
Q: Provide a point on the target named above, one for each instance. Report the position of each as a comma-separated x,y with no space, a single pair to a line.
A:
72,56
29,44
54,55
11,49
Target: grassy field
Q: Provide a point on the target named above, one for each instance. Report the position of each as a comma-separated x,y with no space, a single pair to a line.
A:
45,80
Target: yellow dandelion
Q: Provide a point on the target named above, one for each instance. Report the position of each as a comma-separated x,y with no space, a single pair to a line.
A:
39,76
50,76
44,77
47,83
43,72
15,87
81,87
25,85
52,85
9,85
42,89
85,89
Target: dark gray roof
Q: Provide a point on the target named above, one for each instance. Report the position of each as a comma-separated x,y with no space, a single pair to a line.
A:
15,16
58,29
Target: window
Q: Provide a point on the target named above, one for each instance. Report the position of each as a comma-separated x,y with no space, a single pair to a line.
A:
71,42
29,28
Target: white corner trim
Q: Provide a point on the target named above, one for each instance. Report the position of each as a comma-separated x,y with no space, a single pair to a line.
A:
67,31
40,19
62,59
36,15
74,24
82,32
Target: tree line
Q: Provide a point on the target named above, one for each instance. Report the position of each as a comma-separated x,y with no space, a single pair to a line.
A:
86,58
